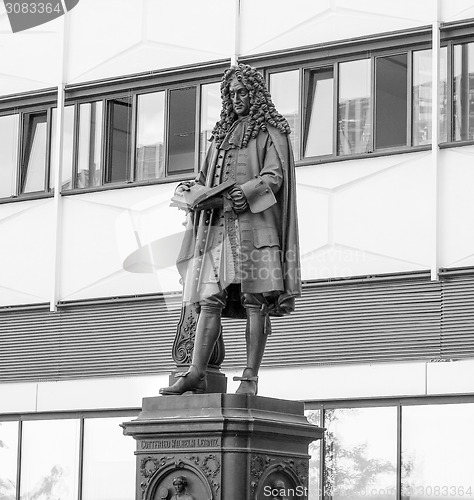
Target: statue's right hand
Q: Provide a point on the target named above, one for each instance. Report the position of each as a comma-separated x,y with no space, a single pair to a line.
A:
184,186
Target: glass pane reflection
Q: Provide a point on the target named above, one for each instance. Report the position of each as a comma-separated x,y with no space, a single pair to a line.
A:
285,89
33,170
314,451
8,459
463,92
68,139
422,84
182,131
8,154
49,460
210,114
119,137
107,453
360,453
437,444
90,139
391,101
150,136
355,113
318,134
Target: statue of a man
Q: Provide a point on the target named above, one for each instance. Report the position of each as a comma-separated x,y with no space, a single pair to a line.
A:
180,483
240,256
278,490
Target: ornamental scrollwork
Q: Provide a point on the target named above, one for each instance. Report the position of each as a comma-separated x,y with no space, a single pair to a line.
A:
183,344
258,465
184,341
210,466
149,466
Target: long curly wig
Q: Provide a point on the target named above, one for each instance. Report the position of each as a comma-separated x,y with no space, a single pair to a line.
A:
262,110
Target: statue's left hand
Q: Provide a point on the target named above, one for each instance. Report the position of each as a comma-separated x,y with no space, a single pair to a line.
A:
239,201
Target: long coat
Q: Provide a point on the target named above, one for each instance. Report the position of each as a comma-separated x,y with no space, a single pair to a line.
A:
268,250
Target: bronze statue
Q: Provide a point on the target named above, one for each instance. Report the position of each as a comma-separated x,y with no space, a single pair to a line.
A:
180,483
240,255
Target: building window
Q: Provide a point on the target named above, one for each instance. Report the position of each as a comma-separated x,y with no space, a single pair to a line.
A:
391,98
49,459
437,468
182,131
107,453
314,452
285,90
135,138
8,459
360,455
319,118
89,150
210,114
421,95
463,98
8,154
354,121
119,123
35,154
68,147
150,159
372,104
67,458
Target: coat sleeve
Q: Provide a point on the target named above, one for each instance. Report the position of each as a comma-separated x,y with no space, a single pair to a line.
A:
260,191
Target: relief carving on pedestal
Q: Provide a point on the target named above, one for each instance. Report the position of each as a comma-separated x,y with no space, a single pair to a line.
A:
278,479
189,477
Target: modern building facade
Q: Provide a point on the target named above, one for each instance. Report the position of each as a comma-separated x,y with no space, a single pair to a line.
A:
103,111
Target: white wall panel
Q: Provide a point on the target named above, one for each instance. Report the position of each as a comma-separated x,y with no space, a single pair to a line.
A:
313,217
18,397
206,26
456,10
451,377
31,59
270,25
364,216
335,382
134,36
105,393
343,382
26,252
98,33
101,230
387,213
457,207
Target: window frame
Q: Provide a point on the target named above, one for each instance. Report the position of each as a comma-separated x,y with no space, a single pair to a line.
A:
22,105
396,402
106,133
135,85
333,62
26,142
330,55
81,416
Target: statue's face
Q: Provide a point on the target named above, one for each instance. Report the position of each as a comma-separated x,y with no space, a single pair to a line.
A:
240,98
179,486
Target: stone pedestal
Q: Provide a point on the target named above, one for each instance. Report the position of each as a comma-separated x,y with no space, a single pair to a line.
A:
222,447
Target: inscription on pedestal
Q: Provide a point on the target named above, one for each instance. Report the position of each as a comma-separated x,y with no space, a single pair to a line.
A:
180,444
